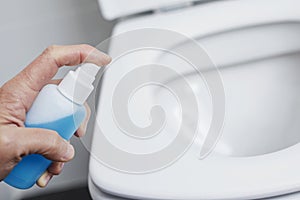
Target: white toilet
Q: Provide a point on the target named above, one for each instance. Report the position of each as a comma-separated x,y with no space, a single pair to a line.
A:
255,44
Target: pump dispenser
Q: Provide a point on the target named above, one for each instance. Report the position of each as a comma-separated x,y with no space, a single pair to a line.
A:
59,108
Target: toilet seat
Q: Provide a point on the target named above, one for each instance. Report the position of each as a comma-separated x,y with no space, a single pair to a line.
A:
237,178
252,177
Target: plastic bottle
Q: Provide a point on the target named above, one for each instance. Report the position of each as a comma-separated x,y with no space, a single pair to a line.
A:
59,108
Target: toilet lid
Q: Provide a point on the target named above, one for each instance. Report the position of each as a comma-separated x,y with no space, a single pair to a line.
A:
112,9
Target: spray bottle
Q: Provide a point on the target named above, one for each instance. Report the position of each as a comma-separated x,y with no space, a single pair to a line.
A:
59,108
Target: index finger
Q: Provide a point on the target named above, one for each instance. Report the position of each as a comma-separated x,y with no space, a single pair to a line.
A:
44,67
37,74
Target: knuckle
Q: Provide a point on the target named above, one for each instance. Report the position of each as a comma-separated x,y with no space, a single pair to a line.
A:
50,49
5,140
53,139
86,46
7,144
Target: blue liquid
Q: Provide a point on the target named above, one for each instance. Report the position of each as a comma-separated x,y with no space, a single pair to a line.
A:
27,172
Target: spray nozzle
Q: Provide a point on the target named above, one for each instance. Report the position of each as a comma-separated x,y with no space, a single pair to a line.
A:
78,85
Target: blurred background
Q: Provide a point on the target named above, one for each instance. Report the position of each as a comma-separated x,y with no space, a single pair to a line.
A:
27,28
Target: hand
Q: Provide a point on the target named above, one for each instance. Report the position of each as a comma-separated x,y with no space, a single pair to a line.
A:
16,98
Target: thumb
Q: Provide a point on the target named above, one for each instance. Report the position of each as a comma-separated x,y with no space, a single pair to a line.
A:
45,142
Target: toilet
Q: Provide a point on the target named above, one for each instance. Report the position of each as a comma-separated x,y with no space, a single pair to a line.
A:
253,47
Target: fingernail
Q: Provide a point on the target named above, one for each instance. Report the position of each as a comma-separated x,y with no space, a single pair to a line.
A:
44,180
69,153
47,179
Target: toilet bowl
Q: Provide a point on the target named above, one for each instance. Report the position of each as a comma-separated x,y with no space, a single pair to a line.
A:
255,46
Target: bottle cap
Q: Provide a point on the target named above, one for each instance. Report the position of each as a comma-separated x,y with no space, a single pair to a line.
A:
78,85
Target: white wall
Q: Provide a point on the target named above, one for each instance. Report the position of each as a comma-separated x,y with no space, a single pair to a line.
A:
26,29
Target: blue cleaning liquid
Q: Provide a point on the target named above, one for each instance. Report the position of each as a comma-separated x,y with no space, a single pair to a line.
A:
27,172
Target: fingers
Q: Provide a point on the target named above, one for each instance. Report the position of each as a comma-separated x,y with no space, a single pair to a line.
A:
45,142
44,179
76,54
54,169
37,74
82,129
49,144
42,69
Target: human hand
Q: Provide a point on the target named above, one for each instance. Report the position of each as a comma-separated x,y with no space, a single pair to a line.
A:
16,98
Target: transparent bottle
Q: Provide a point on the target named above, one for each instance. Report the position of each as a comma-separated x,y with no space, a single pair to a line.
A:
59,108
